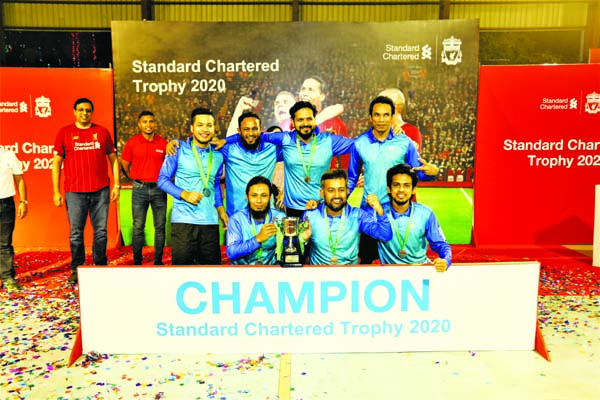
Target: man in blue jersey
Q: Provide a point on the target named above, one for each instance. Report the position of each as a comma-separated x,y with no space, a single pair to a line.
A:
252,232
198,201
377,150
336,226
307,154
246,156
414,224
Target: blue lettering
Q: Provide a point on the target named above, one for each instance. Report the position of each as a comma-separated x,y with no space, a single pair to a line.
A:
369,296
421,301
287,297
217,297
161,329
326,297
181,301
355,296
259,290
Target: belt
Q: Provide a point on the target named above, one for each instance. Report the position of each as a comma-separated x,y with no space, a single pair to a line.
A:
148,184
6,200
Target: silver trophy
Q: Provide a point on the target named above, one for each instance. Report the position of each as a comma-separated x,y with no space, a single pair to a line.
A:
290,227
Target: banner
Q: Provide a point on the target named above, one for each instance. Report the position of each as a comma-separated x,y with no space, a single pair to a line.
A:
538,154
34,105
172,67
308,310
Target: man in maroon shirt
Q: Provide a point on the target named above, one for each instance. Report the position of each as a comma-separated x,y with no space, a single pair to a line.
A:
83,148
142,158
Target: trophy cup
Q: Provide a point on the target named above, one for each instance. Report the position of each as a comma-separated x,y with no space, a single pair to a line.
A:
290,254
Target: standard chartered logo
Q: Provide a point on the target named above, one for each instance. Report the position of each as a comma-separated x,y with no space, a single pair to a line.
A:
426,52
573,104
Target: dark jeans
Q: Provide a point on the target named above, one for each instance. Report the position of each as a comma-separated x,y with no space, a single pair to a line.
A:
7,226
195,244
142,197
79,206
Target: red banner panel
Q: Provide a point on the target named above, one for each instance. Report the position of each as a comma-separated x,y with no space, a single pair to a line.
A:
537,154
34,105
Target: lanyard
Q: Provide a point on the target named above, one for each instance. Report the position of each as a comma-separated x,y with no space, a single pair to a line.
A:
253,229
406,231
203,178
305,167
334,246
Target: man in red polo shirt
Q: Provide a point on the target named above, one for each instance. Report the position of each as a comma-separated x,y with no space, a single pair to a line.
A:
83,147
142,158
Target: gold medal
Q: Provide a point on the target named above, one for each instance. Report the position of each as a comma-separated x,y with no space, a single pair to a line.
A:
334,260
307,179
206,192
402,253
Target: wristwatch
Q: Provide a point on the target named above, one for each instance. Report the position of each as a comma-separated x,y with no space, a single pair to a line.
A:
24,202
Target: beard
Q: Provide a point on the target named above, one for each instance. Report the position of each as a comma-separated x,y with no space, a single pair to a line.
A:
401,203
249,146
336,208
258,215
305,136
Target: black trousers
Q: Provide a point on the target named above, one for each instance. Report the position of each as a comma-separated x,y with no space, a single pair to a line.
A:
195,244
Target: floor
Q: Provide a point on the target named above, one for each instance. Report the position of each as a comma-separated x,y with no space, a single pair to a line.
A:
38,328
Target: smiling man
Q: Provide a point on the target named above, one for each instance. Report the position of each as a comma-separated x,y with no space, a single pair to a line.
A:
198,201
336,226
414,225
252,233
377,150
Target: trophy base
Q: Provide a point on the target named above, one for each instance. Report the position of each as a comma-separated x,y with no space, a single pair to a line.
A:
290,265
291,259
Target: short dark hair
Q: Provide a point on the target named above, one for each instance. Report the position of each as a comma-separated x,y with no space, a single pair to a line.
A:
82,100
257,180
402,169
333,174
300,105
322,84
382,100
201,111
145,113
248,114
274,128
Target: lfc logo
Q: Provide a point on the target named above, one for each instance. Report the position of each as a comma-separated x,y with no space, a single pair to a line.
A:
592,104
451,52
42,107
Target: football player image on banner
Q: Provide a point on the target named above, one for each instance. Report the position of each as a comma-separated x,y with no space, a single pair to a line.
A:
173,67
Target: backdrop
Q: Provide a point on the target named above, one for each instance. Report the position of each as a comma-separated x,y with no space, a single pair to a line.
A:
34,105
538,154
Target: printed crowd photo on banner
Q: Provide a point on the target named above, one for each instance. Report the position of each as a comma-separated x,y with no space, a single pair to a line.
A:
170,68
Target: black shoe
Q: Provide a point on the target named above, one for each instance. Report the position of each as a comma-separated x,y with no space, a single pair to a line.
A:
11,285
73,278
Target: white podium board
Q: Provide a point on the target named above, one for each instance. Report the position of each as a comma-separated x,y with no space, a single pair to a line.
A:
491,306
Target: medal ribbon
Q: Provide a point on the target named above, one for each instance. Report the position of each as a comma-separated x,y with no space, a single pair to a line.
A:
312,152
334,246
253,230
406,231
203,178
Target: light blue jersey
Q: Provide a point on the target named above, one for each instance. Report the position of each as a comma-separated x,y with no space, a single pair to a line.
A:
424,228
295,163
377,157
344,231
184,168
241,165
242,246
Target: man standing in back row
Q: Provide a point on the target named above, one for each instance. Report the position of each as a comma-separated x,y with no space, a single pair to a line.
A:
83,147
142,159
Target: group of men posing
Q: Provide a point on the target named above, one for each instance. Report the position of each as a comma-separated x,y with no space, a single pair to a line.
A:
389,225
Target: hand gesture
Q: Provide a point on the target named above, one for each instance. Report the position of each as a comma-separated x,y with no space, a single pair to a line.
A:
311,204
266,232
172,147
191,197
374,203
429,169
440,265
